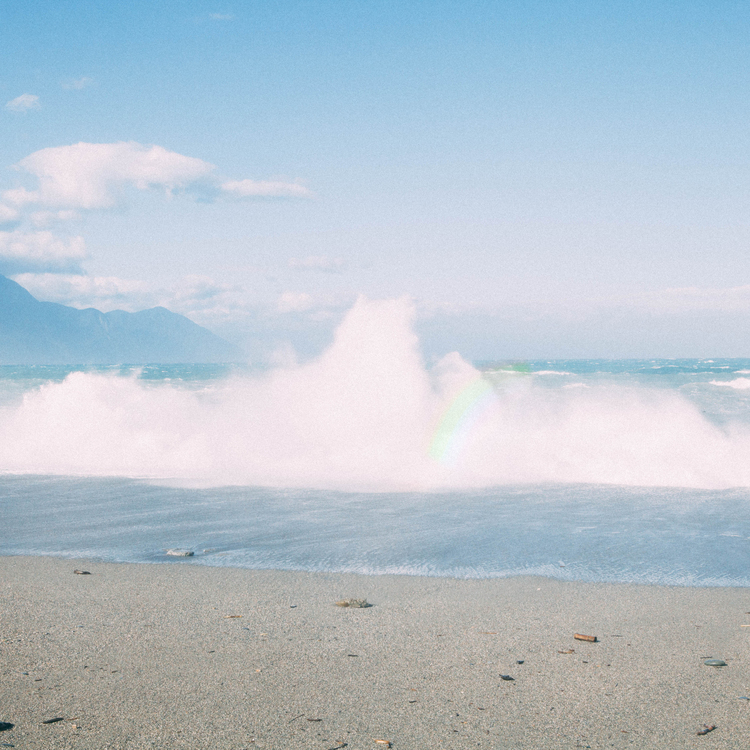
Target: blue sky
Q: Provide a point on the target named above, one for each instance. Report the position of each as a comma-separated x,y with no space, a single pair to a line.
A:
543,179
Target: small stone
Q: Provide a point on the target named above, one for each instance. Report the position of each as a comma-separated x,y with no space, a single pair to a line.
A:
53,721
5,726
715,663
354,603
180,552
519,661
82,572
506,677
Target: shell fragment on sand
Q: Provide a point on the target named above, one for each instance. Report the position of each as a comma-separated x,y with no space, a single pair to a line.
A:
354,603
706,729
589,638
82,572
180,552
715,663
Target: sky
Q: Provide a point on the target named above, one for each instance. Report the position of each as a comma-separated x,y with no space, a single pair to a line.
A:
544,180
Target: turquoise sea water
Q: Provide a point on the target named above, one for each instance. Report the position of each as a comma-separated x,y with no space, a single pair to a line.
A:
121,464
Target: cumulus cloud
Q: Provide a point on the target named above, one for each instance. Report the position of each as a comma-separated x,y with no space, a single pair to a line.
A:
92,175
77,84
89,175
264,189
317,263
41,251
23,103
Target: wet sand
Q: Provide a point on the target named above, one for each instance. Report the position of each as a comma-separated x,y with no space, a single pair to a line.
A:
184,656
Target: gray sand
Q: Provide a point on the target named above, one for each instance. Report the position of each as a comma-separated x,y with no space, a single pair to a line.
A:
147,656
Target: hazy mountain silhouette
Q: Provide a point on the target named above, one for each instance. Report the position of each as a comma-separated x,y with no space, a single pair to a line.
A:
34,332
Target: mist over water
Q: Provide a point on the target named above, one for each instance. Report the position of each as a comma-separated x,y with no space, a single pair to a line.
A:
366,416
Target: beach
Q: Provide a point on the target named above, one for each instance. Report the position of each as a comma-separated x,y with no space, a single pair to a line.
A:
179,655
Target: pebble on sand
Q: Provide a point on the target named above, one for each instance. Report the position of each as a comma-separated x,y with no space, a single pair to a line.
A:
715,663
5,726
354,603
180,552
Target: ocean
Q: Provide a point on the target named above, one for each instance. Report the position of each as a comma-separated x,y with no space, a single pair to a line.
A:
369,459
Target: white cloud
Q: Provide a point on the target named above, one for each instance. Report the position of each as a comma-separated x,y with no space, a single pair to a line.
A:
23,103
317,263
264,189
77,84
45,218
88,175
21,251
7,214
92,175
102,292
294,302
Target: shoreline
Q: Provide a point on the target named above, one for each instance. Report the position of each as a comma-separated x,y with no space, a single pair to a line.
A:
142,655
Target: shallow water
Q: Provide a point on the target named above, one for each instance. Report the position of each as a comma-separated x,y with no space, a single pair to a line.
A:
571,532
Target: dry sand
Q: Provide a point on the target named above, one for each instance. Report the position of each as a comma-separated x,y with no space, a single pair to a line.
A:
183,656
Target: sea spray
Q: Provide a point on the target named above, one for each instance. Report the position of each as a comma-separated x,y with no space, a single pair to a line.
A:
368,414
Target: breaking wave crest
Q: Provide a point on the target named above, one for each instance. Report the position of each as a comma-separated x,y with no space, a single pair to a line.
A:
367,415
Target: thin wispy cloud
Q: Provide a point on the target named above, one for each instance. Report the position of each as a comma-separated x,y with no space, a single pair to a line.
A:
265,189
221,16
77,84
23,103
320,263
294,302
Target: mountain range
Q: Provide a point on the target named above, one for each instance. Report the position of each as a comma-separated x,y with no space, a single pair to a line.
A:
35,332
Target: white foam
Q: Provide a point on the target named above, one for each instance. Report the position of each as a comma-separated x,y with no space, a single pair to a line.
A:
361,417
740,384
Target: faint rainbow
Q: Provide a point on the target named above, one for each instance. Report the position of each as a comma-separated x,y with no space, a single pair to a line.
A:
459,419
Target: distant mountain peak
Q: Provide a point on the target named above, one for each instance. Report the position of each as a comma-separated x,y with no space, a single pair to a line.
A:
35,332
